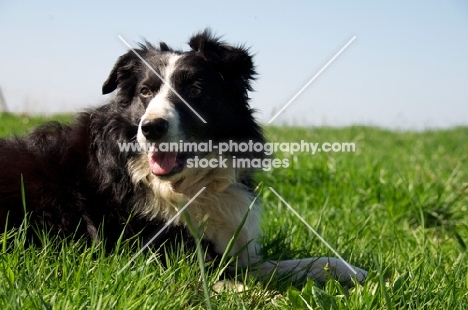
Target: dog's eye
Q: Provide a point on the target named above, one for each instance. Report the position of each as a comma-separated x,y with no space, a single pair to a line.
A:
195,92
145,92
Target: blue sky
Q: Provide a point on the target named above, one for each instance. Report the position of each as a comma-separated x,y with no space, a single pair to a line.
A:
407,68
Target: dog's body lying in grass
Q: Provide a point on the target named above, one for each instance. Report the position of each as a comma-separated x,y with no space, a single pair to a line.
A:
77,180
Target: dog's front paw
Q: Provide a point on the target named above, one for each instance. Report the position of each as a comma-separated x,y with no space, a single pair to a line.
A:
317,269
338,269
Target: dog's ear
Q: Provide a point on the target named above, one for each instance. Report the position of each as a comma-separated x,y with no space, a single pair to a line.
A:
121,71
232,61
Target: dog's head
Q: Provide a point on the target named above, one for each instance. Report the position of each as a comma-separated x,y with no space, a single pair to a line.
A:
192,96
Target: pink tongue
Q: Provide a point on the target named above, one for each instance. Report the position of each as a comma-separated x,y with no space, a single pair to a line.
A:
162,163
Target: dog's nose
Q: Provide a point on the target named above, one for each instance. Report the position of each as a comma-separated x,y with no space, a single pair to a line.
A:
154,129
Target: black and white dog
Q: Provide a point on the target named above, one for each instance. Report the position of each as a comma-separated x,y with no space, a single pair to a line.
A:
78,181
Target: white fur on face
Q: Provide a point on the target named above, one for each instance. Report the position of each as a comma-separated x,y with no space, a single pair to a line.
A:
161,107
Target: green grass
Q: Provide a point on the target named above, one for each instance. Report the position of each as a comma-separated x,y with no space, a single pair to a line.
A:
396,207
20,124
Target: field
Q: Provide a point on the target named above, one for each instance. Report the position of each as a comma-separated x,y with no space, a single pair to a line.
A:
397,206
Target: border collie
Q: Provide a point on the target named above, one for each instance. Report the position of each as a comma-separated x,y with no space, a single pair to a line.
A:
78,181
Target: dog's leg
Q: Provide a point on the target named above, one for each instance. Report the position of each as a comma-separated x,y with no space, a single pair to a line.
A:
91,229
314,268
224,221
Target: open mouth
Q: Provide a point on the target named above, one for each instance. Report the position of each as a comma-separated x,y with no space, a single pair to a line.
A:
165,164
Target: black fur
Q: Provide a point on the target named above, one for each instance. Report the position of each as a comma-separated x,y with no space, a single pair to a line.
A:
76,179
